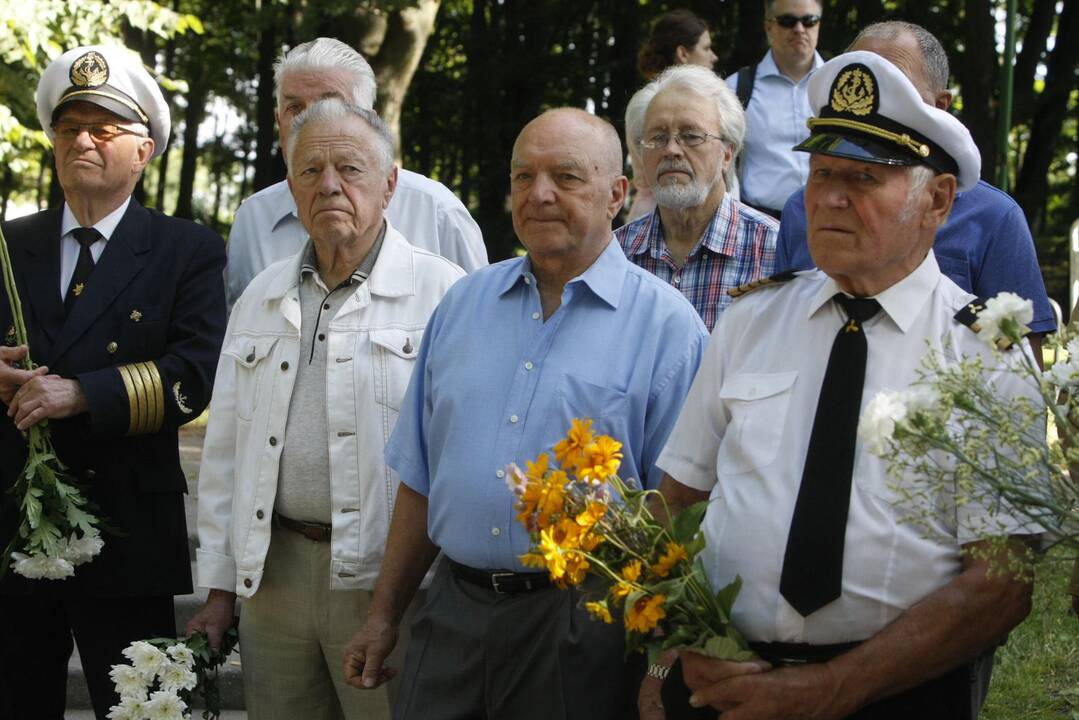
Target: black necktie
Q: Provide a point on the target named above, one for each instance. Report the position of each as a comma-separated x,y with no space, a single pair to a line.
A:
813,563
85,265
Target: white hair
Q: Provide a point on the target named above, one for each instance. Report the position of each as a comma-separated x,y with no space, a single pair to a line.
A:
704,82
333,108
328,54
635,112
917,178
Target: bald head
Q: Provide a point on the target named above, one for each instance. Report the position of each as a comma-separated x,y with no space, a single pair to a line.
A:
602,138
915,51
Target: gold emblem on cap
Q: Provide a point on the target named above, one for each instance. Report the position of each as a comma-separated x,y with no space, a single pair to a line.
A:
854,93
136,316
89,70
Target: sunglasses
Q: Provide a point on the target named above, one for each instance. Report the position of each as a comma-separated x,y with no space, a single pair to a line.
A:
100,132
788,21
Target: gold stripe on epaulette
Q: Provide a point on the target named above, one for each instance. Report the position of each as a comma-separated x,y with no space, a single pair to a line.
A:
744,288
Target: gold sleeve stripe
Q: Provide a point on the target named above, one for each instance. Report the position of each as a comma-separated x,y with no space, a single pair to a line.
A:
139,421
132,399
153,405
157,400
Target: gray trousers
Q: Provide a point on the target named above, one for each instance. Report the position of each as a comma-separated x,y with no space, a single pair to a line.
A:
479,655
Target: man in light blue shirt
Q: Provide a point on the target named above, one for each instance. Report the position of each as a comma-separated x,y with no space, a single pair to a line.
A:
510,356
779,106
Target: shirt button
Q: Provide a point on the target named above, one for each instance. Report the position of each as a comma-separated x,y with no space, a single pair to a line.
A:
514,418
529,365
326,306
284,365
496,531
535,316
677,279
500,473
321,336
247,582
259,514
528,280
273,441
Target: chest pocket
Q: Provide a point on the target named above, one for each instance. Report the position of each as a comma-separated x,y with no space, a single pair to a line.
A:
395,352
757,403
249,354
147,327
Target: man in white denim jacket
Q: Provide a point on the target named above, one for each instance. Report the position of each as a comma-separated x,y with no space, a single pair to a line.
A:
294,495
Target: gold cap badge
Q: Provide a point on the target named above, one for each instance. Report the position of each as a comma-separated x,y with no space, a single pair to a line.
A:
89,70
855,92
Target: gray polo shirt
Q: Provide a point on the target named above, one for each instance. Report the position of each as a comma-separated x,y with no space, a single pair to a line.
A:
303,481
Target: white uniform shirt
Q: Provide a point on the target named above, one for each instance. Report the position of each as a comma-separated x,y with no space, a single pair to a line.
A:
425,212
775,123
69,246
743,435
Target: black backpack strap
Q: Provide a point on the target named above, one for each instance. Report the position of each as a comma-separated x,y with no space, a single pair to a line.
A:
746,77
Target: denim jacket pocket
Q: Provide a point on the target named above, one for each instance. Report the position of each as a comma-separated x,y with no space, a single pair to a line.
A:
249,354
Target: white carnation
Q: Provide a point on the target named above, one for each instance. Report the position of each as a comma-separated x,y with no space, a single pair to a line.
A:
877,424
182,654
921,398
81,550
174,676
129,709
129,682
146,658
1003,306
164,705
39,566
1064,374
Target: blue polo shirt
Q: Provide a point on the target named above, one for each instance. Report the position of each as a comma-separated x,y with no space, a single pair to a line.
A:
985,247
496,384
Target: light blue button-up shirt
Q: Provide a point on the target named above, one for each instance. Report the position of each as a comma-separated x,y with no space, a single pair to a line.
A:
495,384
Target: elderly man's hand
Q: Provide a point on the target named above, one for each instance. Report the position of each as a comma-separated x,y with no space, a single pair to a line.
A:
750,691
650,696
366,652
215,616
11,377
45,397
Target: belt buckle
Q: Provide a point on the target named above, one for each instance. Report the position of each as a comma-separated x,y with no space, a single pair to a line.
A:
495,578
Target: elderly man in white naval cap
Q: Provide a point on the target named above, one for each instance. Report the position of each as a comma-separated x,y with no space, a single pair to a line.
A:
126,311
854,611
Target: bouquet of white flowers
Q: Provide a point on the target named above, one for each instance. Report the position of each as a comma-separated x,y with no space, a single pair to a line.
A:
58,529
952,430
164,676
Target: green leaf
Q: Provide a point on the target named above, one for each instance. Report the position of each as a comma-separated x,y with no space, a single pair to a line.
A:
687,523
726,596
724,648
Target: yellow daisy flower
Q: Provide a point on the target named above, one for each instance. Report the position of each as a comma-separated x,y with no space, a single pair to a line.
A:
646,613
552,555
632,571
591,514
601,459
599,611
675,554
569,452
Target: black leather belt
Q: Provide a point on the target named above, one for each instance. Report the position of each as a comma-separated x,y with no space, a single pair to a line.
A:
799,653
319,532
503,582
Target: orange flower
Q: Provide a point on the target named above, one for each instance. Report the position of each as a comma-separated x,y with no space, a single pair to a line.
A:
576,569
553,555
552,498
675,554
621,590
570,451
646,613
632,571
602,458
600,611
591,514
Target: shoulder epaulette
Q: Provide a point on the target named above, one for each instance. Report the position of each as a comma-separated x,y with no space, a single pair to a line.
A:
737,292
968,315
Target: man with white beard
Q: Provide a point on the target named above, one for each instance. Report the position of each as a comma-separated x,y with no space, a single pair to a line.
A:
700,238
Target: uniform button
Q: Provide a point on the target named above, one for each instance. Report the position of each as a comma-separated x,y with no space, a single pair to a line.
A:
326,306
111,348
321,336
514,418
247,582
535,316
496,531
500,473
273,441
251,357
529,365
259,514
284,365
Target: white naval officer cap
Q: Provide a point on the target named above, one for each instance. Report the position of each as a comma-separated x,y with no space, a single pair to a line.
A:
108,76
866,109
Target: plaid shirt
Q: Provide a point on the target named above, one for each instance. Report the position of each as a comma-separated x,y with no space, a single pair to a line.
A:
739,246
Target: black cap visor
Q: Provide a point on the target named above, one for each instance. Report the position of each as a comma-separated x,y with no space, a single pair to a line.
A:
858,147
105,97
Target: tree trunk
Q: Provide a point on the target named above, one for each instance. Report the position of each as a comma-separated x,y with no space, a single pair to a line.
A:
398,57
1032,186
266,168
978,72
193,115
1026,62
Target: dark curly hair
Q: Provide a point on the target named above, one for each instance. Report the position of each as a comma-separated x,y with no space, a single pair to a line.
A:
669,31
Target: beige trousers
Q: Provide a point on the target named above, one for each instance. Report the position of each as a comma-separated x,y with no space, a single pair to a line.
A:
292,637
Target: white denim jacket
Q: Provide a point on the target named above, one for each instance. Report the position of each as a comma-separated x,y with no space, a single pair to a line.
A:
371,349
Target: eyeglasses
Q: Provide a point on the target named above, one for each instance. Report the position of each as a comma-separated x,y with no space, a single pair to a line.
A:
685,139
99,132
788,21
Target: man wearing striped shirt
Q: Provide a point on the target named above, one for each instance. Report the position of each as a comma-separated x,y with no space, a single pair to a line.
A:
700,238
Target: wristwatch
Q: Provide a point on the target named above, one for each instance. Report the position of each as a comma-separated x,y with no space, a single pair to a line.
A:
658,671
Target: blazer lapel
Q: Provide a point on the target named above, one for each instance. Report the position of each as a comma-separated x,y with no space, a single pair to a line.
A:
43,308
114,271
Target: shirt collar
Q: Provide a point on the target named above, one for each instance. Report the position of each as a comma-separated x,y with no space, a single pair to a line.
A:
604,277
717,236
284,209
768,66
106,225
901,302
309,265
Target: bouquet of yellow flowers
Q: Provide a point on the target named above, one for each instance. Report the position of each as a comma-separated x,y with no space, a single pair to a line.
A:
584,520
